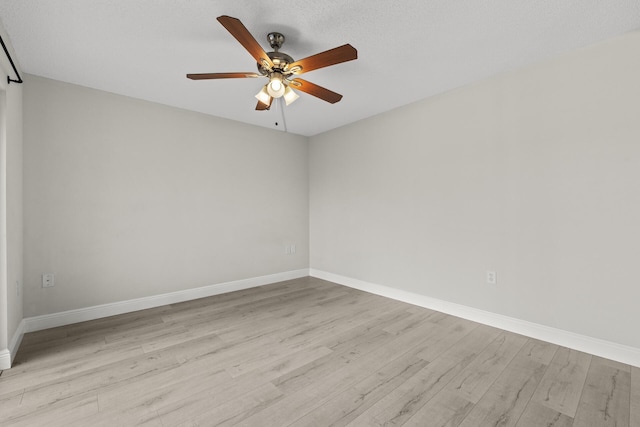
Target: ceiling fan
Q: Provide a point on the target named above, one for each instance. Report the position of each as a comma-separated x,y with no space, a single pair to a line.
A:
280,68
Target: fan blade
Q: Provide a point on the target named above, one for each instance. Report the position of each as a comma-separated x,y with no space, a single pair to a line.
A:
262,106
240,32
315,90
334,56
206,76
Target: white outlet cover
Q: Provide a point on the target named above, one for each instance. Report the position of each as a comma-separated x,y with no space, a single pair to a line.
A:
492,277
48,280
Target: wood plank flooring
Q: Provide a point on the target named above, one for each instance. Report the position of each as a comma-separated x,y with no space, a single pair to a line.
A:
307,352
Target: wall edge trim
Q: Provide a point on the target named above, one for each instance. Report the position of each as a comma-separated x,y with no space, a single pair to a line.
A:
5,359
7,355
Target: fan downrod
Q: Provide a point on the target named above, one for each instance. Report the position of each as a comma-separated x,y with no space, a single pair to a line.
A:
276,40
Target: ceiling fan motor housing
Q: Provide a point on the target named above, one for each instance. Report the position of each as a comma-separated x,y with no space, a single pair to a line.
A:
280,59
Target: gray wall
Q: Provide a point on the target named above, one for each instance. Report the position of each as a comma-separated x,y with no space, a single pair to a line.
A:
10,201
534,174
14,207
126,199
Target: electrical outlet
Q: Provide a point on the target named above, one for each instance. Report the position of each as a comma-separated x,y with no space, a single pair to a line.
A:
293,249
287,249
492,277
48,280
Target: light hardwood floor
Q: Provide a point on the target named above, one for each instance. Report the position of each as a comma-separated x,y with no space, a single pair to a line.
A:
307,353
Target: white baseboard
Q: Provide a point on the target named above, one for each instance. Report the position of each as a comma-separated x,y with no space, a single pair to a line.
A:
602,348
47,321
595,346
7,355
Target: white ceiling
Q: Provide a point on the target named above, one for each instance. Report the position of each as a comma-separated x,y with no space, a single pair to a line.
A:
408,49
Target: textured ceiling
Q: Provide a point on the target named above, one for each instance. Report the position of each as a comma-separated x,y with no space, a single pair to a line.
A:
408,49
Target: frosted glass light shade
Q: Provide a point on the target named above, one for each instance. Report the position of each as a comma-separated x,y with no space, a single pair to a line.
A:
290,95
263,96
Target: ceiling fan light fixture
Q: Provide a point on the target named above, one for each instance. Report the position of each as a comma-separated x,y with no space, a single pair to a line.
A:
263,96
279,67
290,95
276,87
